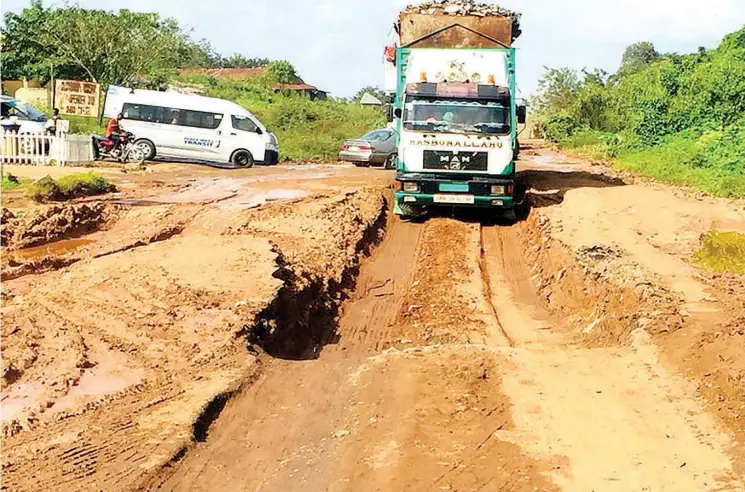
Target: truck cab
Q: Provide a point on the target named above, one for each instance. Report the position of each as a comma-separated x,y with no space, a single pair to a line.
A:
456,118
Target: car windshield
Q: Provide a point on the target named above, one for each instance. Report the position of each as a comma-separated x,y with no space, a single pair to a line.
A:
23,111
457,116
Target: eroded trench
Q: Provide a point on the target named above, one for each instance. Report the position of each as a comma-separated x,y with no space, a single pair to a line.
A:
483,314
419,368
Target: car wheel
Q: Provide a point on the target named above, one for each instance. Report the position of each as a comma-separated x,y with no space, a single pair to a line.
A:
147,148
242,158
390,163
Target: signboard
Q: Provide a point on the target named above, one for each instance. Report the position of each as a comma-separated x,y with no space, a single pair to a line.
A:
77,98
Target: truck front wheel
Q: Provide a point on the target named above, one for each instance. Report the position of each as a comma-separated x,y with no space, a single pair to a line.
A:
410,212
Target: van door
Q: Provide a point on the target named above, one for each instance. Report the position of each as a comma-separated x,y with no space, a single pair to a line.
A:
244,133
201,134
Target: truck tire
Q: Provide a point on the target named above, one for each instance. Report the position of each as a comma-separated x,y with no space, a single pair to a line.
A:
390,162
411,212
509,215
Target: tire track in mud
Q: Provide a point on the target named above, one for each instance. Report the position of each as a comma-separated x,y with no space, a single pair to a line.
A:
397,403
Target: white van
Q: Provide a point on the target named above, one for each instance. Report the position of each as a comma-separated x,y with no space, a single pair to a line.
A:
170,124
15,113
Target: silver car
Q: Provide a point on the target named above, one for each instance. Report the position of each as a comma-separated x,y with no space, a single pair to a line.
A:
377,147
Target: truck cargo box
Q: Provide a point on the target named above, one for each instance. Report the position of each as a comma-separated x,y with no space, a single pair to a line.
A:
454,31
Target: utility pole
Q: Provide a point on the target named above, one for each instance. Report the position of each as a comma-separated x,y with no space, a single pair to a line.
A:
54,88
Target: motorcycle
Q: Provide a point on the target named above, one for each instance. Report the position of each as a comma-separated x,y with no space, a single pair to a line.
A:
125,151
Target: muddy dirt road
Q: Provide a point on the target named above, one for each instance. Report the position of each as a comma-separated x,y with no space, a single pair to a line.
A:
578,349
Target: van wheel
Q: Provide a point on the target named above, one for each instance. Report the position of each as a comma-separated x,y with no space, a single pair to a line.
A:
146,148
242,158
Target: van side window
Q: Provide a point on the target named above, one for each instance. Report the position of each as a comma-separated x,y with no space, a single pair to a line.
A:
171,116
244,124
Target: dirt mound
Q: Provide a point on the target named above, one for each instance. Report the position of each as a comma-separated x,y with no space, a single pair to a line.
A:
8,227
54,223
598,286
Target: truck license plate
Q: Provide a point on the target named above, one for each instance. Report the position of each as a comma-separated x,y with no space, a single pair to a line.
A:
457,199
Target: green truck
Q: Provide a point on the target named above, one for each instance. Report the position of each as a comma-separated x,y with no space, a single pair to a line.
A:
451,85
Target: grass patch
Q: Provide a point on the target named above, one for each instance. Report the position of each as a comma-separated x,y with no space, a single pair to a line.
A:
722,251
9,182
68,187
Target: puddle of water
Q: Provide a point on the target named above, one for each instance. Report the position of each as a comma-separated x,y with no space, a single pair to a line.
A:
57,248
545,159
258,199
18,398
107,377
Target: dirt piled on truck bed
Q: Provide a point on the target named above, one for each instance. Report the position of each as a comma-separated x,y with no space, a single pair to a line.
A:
319,343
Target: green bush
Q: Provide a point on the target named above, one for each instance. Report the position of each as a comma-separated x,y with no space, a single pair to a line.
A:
677,118
9,182
722,251
68,187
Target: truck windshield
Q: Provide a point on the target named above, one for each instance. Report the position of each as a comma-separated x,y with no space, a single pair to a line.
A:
457,116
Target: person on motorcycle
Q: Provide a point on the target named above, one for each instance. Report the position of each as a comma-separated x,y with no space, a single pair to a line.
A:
113,130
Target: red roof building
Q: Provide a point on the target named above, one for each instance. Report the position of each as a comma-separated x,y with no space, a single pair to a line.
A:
308,90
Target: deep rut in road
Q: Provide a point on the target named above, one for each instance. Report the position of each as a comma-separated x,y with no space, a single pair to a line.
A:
450,373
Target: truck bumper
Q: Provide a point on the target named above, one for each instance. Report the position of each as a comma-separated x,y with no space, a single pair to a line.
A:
431,186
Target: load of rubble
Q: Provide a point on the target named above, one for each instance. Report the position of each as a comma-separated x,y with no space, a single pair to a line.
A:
465,8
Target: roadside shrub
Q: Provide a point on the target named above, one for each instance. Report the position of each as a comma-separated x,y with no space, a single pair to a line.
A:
87,184
9,182
722,251
676,118
560,126
68,187
44,190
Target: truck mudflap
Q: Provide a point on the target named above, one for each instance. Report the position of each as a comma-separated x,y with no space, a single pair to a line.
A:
415,192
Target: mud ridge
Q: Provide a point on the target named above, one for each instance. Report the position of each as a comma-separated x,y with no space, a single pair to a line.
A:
597,288
303,316
14,269
53,223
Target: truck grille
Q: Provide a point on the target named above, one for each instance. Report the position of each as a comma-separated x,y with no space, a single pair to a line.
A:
442,160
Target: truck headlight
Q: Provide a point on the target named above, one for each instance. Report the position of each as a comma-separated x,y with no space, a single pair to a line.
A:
498,190
410,187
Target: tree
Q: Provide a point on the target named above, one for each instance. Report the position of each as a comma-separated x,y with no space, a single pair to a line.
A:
373,90
239,61
283,72
557,90
637,57
102,46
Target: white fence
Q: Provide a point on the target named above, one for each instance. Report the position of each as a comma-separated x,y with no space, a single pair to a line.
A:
45,150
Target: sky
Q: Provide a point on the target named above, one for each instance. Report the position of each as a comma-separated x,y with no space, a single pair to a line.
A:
337,45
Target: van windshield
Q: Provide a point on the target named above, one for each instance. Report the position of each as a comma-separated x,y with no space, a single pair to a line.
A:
453,115
22,110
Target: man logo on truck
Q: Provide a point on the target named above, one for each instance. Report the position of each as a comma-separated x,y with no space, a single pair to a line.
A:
456,163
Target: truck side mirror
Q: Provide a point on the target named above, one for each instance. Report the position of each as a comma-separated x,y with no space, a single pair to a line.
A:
397,112
522,115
